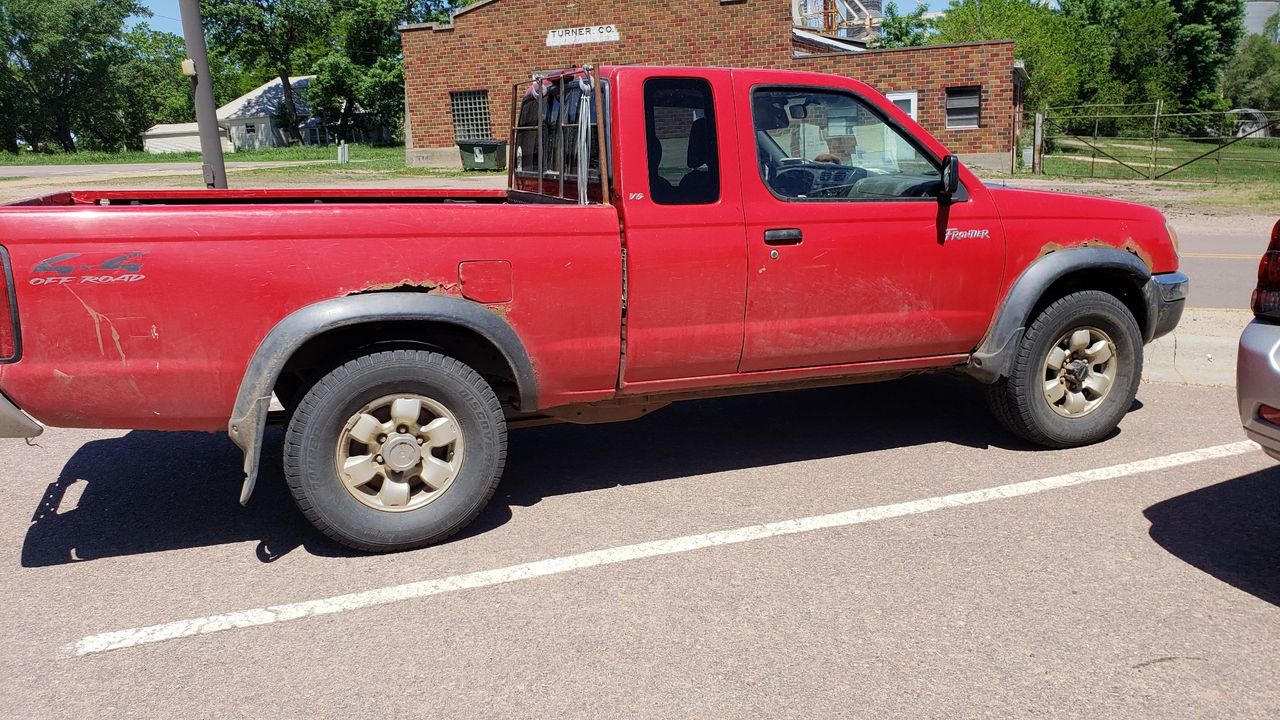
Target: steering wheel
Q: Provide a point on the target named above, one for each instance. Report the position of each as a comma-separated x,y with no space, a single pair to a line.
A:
823,180
793,180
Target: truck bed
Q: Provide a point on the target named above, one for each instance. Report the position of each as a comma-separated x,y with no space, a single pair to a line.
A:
140,309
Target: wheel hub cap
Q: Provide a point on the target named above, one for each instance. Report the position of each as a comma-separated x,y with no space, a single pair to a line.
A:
1079,371
400,452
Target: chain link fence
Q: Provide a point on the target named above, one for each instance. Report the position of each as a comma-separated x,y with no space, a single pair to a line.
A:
1143,142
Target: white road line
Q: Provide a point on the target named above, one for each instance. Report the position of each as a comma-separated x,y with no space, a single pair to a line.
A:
133,637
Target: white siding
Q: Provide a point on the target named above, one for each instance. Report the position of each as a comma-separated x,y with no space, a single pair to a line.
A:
159,144
264,135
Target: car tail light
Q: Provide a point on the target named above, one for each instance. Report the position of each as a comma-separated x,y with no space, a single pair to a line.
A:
1269,414
10,347
1266,297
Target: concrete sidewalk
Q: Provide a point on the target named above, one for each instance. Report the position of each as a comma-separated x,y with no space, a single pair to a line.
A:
1202,351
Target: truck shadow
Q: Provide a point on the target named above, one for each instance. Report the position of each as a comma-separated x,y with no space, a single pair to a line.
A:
154,491
1230,530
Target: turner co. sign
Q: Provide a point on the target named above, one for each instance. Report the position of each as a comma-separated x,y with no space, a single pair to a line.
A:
583,35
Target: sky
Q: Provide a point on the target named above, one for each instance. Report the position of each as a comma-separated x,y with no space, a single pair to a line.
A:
166,15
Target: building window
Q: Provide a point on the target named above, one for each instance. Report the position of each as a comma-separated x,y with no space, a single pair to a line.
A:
964,105
906,102
250,129
471,115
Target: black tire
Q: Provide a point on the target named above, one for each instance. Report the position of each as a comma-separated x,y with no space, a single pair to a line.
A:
311,442
1018,400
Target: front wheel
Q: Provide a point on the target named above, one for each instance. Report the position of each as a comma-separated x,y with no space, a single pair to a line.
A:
1075,374
395,450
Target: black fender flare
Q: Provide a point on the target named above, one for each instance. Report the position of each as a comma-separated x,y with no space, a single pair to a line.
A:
991,360
249,416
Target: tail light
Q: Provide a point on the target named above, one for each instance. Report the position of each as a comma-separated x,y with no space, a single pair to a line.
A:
10,346
1266,297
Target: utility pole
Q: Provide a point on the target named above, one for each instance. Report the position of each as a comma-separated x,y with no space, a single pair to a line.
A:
215,170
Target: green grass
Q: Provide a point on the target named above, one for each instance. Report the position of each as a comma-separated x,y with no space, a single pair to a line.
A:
1255,160
304,153
7,178
1258,197
380,168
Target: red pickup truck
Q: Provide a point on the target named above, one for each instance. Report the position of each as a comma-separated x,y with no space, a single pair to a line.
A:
668,233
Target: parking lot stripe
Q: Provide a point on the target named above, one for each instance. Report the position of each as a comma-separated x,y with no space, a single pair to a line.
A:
133,637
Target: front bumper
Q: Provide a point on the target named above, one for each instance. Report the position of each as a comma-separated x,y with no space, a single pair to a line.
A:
1166,295
16,424
1258,383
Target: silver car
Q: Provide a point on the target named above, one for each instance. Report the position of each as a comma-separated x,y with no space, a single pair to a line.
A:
1258,367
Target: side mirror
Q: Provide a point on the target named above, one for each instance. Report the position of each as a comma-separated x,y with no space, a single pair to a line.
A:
950,176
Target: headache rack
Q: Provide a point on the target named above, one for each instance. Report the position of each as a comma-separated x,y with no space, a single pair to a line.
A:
552,148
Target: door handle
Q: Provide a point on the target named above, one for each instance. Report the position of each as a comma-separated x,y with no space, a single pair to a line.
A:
787,236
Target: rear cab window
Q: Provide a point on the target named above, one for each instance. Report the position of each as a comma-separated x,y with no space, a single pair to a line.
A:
545,159
681,133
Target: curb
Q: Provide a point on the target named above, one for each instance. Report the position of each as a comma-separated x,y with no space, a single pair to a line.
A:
1201,351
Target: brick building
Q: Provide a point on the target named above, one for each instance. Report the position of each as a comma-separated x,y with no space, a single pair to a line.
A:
458,76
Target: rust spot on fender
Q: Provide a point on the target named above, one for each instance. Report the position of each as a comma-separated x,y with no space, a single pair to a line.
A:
1049,248
1133,247
406,285
1128,245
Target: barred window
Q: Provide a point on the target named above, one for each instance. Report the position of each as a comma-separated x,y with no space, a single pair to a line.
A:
471,115
964,107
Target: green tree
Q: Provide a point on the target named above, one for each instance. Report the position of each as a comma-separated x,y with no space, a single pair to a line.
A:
364,69
145,86
281,36
903,30
1140,35
11,118
1252,78
59,56
1067,63
1205,38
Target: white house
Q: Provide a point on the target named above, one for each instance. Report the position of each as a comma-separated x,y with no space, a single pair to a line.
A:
248,122
179,137
252,118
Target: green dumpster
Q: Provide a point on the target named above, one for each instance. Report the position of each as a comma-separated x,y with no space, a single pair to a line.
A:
485,154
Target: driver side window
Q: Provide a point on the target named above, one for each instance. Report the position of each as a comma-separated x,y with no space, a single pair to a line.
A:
824,145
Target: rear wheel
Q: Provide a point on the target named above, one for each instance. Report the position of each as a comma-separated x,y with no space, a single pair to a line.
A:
395,450
1075,374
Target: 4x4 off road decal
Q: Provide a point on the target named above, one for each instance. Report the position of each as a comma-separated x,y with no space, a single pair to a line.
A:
72,269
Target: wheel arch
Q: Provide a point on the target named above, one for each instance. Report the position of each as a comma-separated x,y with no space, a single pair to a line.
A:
1050,278
345,317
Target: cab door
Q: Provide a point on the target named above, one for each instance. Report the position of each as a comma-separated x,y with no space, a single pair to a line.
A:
686,249
852,255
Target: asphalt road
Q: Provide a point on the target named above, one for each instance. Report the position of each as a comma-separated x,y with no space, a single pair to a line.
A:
1150,591
1220,254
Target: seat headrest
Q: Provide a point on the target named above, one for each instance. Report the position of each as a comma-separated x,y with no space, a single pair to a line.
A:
770,115
700,150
